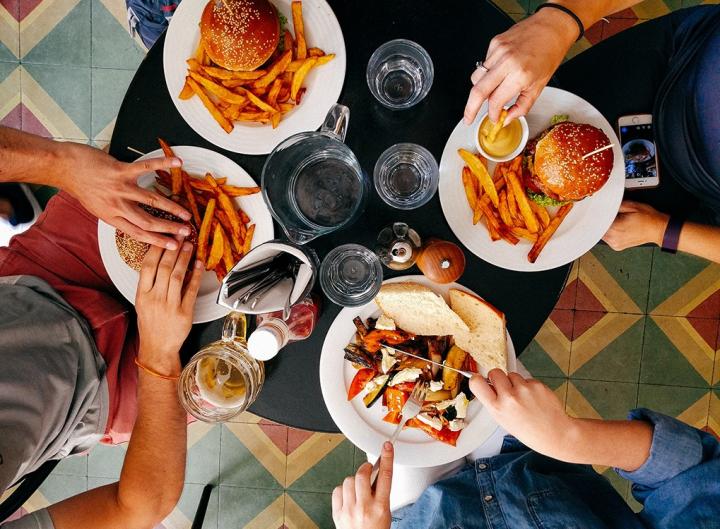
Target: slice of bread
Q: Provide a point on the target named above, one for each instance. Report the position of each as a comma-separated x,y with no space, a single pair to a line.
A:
417,309
486,341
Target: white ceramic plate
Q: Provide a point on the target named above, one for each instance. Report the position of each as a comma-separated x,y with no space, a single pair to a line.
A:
323,83
196,161
582,228
365,427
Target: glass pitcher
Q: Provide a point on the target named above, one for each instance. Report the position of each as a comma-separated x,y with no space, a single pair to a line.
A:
222,379
313,183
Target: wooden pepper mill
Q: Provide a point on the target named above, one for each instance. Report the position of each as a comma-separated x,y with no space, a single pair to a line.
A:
441,261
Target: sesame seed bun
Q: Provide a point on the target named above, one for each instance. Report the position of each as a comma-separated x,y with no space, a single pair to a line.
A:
133,251
559,168
240,35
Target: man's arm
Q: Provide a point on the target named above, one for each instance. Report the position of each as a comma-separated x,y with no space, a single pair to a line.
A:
638,224
153,472
530,411
106,187
521,61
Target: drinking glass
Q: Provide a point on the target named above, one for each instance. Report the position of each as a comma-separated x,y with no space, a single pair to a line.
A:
400,74
351,275
222,379
406,176
313,183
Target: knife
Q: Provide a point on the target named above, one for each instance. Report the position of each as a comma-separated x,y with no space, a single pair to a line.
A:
467,374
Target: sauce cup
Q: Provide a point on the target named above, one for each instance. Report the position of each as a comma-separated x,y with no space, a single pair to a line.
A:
520,147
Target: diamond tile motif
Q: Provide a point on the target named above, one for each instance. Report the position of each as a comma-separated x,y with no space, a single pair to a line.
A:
10,99
599,350
679,351
615,281
549,353
108,89
57,32
606,346
111,45
592,399
56,101
320,463
250,455
689,405
203,455
241,507
684,285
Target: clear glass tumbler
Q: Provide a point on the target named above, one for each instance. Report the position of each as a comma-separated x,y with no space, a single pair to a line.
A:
406,176
351,275
400,74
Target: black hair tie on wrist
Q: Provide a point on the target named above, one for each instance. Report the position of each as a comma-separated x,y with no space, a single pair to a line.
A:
569,12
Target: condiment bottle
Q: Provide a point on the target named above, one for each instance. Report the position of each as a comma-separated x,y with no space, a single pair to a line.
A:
398,246
273,333
441,261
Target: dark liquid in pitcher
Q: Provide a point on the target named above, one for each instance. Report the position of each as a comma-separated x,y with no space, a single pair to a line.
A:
327,192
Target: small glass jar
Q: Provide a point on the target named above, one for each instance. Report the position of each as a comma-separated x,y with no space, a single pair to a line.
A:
273,332
222,379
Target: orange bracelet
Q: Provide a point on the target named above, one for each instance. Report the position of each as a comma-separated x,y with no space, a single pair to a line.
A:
155,373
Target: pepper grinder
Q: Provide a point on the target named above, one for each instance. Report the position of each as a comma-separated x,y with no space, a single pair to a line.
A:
398,246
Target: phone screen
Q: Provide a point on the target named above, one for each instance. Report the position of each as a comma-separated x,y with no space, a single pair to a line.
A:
638,148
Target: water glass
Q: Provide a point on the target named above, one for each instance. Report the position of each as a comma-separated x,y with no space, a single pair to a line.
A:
406,176
400,74
351,275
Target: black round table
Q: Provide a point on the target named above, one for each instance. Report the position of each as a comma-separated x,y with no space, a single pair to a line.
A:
456,34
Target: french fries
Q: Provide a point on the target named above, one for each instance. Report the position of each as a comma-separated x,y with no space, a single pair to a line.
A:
262,96
225,231
548,233
496,127
299,27
175,172
479,170
210,105
503,203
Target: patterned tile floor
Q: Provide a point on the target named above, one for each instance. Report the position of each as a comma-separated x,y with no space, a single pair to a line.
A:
632,328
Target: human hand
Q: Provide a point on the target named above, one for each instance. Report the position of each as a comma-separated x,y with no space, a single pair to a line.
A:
164,307
636,224
108,189
527,409
520,61
356,506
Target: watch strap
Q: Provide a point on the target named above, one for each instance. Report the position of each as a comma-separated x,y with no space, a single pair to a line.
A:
671,238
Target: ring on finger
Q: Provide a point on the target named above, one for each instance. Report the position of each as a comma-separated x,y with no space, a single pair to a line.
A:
481,65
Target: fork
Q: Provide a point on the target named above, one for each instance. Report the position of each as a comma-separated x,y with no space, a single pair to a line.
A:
411,408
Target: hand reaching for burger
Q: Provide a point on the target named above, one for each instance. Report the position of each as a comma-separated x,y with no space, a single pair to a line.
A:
520,62
108,189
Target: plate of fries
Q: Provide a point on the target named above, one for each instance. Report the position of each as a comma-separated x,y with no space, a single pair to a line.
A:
504,226
252,112
229,215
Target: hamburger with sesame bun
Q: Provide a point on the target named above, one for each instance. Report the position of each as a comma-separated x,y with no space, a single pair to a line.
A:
554,169
240,35
133,251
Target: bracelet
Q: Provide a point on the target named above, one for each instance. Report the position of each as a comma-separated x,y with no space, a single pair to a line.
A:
155,373
671,239
568,12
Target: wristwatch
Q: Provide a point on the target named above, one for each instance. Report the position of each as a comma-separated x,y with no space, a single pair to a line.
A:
672,235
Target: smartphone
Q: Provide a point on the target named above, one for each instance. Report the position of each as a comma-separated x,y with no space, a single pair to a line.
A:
639,151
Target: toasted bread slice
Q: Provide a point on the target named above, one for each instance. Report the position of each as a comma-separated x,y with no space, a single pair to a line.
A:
486,340
417,309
